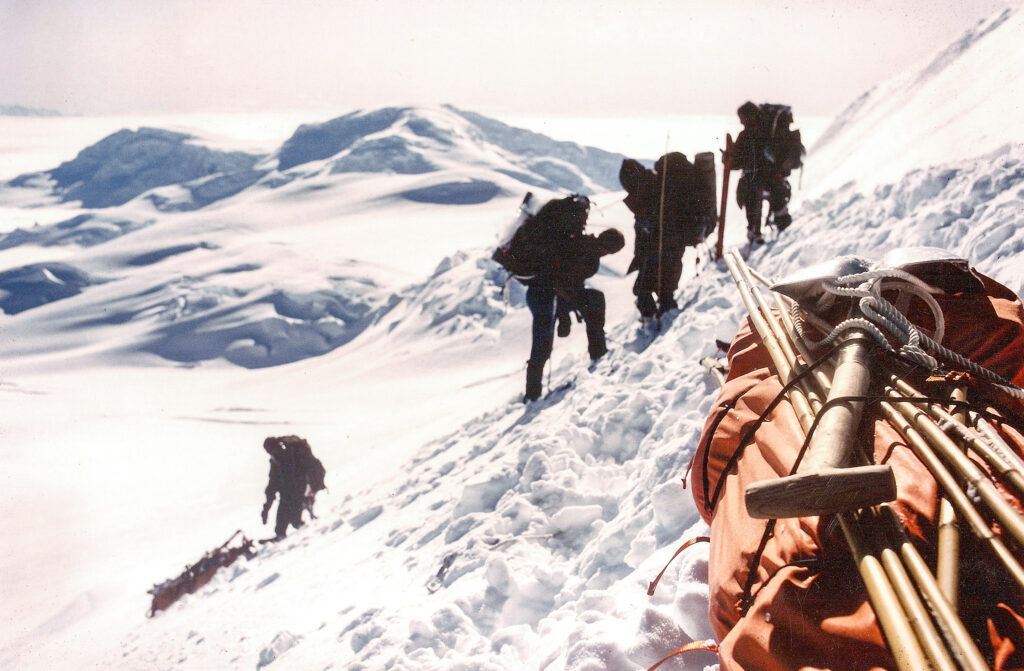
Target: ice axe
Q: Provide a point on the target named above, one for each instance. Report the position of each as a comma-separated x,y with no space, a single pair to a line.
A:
829,483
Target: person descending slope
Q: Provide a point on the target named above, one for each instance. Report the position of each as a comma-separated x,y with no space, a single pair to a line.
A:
767,150
551,254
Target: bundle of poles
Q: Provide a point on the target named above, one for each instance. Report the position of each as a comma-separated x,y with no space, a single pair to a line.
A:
915,604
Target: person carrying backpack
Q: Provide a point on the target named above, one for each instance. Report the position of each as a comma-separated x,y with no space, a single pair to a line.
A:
663,203
295,475
553,257
766,150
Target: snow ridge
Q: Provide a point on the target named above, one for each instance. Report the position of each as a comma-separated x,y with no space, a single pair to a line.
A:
175,172
961,103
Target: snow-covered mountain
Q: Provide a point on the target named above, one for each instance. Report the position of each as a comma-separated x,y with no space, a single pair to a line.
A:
201,291
178,173
538,527
21,110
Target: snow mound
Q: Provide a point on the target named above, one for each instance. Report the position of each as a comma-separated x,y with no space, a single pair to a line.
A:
549,158
214,323
129,163
315,142
38,284
416,141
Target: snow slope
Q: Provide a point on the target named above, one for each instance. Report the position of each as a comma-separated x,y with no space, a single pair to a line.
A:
540,525
965,101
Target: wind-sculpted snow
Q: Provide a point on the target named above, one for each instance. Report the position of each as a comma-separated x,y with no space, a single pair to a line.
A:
315,142
84,230
415,141
966,41
953,106
601,166
386,154
38,284
129,163
463,296
215,324
969,207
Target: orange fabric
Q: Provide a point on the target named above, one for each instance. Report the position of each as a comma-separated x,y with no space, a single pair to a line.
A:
808,607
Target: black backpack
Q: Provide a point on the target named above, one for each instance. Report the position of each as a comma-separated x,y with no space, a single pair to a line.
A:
784,149
531,252
689,207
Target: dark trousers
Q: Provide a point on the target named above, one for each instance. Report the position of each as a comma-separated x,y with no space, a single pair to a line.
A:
754,189
545,303
659,265
658,278
289,511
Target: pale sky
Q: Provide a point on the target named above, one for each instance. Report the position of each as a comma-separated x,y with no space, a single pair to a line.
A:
583,57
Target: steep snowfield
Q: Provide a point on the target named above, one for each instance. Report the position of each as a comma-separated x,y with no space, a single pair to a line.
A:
965,101
537,527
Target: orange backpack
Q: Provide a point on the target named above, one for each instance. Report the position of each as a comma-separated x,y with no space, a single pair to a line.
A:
786,594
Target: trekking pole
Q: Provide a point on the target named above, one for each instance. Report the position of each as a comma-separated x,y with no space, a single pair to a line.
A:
801,406
951,650
998,454
963,505
983,489
947,563
985,442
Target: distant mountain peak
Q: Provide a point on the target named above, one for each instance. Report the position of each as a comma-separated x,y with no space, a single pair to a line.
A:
20,110
464,158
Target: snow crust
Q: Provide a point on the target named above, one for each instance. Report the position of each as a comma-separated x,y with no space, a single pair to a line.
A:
146,350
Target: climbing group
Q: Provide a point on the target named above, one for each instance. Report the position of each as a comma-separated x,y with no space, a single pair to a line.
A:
674,206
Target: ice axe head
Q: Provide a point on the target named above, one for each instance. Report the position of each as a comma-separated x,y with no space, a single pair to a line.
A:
829,483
